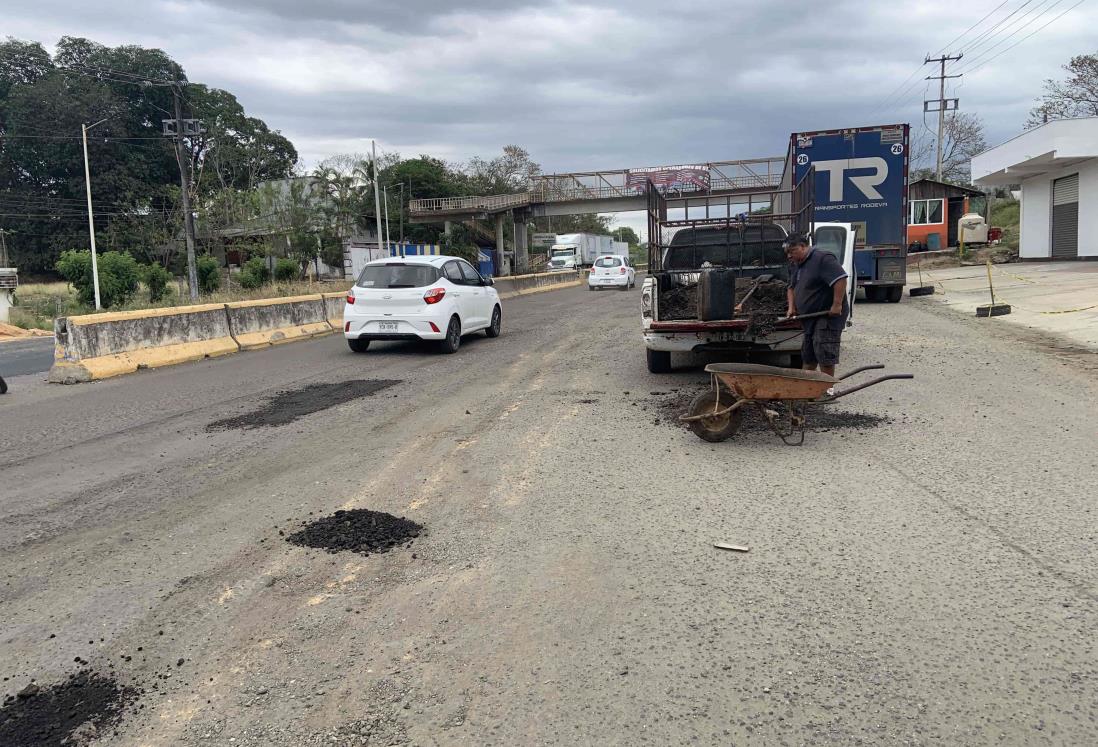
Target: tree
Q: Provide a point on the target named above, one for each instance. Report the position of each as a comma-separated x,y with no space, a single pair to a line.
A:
963,138
1077,96
581,223
514,171
135,177
626,234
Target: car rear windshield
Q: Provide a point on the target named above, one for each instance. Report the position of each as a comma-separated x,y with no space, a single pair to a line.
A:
397,276
607,262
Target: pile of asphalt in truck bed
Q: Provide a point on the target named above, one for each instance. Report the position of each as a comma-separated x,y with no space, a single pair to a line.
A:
83,707
359,530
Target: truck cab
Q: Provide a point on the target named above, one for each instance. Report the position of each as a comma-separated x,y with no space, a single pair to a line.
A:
706,269
562,257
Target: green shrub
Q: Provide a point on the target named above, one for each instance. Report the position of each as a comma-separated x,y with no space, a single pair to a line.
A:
118,276
156,279
257,267
250,280
286,270
209,273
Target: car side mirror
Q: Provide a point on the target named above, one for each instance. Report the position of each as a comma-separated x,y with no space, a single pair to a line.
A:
486,280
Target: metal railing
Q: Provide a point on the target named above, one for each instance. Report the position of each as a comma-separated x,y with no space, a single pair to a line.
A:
760,174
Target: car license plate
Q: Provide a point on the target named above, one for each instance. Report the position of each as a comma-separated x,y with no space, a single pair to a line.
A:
387,326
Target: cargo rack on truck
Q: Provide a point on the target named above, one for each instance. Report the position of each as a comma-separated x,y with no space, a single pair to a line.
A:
748,244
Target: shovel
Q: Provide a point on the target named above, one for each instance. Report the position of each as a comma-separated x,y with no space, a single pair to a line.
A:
801,316
921,290
759,280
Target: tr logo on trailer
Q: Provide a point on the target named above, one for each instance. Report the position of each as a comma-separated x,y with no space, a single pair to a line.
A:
867,183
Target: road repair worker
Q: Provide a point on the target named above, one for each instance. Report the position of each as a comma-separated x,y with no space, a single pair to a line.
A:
817,283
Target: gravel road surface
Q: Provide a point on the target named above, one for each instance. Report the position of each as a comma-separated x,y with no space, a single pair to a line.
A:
929,575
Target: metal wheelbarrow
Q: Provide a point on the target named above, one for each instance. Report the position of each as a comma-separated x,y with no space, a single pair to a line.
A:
716,414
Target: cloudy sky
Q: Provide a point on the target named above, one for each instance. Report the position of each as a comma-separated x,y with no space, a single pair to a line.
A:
586,85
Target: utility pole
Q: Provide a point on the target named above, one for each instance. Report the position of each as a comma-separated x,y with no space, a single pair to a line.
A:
91,217
4,248
377,194
385,200
181,126
942,102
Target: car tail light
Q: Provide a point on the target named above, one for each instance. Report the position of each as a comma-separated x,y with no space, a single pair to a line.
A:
347,327
434,295
433,327
350,299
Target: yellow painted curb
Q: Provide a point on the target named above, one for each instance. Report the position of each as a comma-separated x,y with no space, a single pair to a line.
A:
106,366
266,338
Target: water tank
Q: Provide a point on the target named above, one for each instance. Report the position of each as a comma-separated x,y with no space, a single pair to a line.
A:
972,229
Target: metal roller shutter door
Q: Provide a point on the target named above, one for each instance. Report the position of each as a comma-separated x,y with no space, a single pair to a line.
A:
1065,217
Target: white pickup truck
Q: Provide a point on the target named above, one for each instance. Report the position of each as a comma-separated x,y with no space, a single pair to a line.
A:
670,311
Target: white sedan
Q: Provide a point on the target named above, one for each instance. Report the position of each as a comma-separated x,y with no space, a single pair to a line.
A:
612,271
420,298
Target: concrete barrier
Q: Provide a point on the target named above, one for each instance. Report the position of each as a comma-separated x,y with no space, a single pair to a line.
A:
519,285
273,321
334,303
97,346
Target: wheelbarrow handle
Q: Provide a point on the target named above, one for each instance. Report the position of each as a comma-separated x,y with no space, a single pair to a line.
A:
870,367
860,387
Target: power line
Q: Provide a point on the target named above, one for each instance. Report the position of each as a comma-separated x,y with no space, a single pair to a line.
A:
956,38
1035,13
976,43
904,89
1035,31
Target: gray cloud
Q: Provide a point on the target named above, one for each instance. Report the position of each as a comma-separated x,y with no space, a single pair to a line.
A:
581,85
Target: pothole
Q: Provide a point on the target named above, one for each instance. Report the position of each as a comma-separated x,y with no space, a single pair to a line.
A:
358,530
286,407
84,707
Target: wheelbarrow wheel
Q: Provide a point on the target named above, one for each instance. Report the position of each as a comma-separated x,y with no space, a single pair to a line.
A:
720,427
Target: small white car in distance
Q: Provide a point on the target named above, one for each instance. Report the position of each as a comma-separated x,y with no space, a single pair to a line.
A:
420,298
612,271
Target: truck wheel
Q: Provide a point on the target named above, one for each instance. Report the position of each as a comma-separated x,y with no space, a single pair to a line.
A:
358,346
719,428
659,361
895,293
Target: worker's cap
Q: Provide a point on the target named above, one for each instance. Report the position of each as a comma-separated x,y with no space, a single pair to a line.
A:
795,239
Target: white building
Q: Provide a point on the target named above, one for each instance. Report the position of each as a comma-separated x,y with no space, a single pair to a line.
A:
1057,166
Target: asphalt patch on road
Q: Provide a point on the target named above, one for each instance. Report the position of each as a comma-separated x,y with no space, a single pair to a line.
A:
84,707
668,406
287,406
358,530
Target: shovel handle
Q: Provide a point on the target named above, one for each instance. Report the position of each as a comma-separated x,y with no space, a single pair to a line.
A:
803,316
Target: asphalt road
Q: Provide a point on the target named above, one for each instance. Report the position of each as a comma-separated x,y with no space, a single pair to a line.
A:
927,579
24,357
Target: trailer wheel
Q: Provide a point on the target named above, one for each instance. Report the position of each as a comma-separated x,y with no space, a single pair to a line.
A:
719,428
659,361
895,293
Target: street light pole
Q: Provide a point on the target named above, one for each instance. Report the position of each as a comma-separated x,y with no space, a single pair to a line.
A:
91,217
377,195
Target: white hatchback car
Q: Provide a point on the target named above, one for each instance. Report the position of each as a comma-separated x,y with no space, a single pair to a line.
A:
612,271
420,298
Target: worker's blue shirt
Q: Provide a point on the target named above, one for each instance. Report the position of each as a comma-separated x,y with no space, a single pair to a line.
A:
812,282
